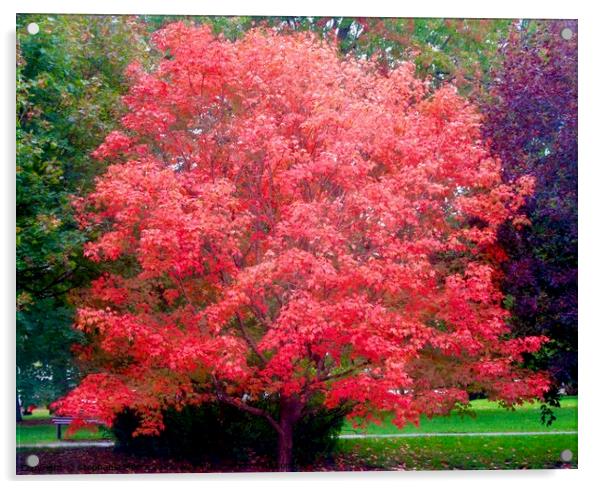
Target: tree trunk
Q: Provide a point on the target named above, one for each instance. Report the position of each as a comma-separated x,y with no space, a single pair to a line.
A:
285,447
19,415
290,412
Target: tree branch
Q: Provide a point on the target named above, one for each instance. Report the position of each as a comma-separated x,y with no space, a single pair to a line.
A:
232,401
445,43
57,280
348,371
249,339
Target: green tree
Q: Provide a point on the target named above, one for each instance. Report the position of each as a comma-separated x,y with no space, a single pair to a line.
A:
69,82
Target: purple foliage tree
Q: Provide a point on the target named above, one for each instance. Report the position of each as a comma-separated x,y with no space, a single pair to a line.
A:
531,121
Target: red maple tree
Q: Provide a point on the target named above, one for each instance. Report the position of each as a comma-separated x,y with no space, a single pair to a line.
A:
284,223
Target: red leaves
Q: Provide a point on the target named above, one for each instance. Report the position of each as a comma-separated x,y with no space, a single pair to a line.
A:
299,225
99,396
115,144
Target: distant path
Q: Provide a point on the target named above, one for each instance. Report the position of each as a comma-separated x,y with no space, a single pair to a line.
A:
67,444
426,435
108,443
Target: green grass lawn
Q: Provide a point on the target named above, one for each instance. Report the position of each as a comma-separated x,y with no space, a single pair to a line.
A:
46,433
441,453
489,417
38,414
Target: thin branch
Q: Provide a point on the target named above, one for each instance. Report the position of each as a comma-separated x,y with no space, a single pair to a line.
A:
264,319
344,373
320,366
61,278
445,43
182,289
249,339
223,397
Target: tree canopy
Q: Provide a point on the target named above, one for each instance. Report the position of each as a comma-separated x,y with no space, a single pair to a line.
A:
279,221
531,121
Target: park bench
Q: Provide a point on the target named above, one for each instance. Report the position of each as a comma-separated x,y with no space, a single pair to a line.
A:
66,421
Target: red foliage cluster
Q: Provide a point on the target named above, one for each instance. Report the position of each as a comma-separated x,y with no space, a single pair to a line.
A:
284,222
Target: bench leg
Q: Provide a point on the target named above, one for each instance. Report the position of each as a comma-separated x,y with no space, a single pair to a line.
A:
58,431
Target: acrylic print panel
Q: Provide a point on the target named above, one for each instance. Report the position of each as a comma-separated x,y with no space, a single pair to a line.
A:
295,244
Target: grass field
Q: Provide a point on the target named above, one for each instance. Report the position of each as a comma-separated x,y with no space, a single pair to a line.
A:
38,428
441,453
489,417
478,452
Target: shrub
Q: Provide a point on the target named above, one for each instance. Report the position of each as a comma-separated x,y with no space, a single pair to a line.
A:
221,433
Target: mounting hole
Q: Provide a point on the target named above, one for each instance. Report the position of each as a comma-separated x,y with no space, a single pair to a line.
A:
32,460
566,33
566,455
33,28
